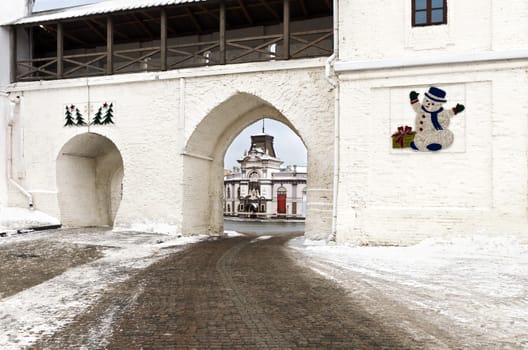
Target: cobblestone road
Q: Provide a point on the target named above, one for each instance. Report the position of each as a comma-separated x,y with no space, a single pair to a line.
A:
238,293
30,263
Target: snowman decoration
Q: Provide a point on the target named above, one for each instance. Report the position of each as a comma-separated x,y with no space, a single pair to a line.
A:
432,121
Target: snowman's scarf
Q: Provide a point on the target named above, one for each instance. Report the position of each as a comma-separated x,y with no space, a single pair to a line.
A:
434,117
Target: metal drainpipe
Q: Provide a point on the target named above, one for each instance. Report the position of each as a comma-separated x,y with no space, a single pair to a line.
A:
335,83
10,122
181,121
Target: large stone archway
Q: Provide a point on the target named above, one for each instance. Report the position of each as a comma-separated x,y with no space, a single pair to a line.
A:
89,178
204,161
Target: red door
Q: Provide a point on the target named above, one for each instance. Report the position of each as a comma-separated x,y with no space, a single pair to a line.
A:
281,203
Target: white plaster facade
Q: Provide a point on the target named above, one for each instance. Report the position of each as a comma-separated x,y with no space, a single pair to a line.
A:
173,128
478,185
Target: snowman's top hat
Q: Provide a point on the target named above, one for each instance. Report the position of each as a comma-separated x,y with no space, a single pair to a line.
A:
436,94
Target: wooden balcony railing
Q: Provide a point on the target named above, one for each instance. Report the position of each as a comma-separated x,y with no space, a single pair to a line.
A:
253,49
238,50
311,43
82,65
136,60
120,58
193,55
37,69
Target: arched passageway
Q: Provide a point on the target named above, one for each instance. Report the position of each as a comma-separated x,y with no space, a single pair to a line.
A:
89,181
203,187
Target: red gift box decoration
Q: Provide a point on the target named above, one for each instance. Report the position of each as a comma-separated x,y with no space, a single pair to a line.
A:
403,137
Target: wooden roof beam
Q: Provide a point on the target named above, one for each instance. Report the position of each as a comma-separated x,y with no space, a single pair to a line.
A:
95,30
142,25
210,13
214,15
194,20
66,35
270,9
71,37
246,12
121,34
303,7
153,19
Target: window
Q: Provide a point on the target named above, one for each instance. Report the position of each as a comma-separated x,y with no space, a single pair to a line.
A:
228,192
429,12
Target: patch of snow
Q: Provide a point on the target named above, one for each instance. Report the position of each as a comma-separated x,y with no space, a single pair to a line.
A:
100,335
301,242
230,234
12,218
261,238
475,286
161,228
49,306
326,275
179,241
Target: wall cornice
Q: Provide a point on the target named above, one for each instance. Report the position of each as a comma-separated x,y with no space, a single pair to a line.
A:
480,57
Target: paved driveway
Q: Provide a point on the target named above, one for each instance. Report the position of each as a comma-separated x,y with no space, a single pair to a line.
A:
237,293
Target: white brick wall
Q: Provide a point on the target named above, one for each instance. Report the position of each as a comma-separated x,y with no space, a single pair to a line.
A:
303,97
163,190
382,29
479,185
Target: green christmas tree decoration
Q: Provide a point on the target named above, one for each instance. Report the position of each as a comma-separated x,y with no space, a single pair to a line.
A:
98,118
80,120
109,114
69,118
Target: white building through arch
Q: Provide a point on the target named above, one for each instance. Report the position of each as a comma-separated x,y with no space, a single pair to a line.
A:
213,136
265,188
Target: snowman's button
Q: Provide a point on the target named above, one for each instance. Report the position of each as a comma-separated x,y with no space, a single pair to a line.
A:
421,129
423,116
421,122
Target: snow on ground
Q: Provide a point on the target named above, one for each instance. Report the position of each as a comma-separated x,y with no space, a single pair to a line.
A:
261,238
46,307
473,287
229,234
21,218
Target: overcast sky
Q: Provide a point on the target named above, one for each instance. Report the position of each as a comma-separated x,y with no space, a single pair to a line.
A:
288,145
41,5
